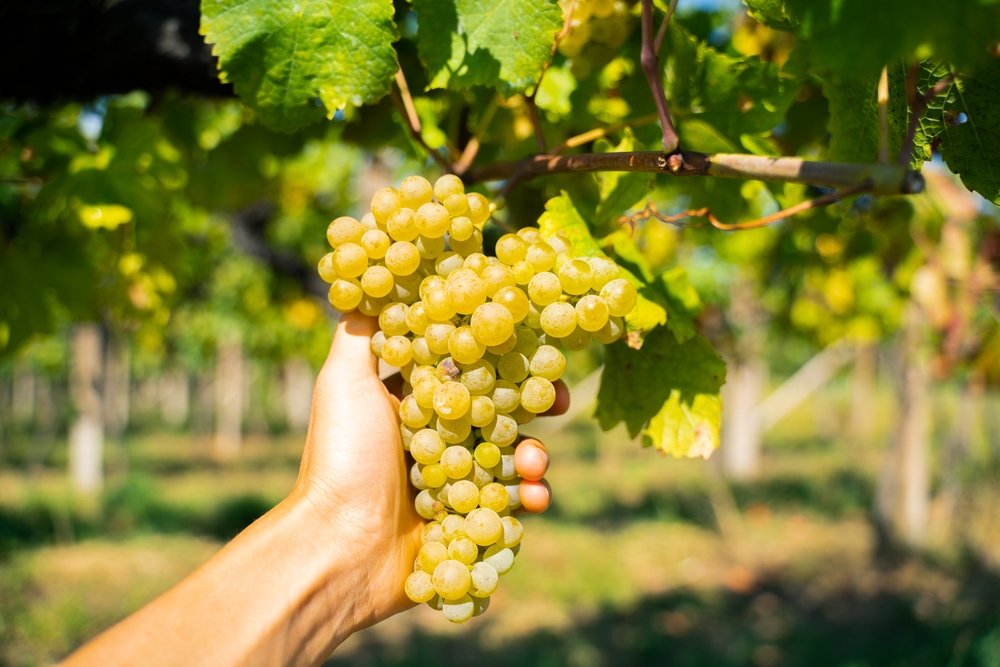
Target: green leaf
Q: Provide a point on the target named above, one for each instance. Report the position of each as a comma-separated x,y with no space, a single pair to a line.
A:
618,190
972,149
295,62
853,120
494,43
858,37
668,391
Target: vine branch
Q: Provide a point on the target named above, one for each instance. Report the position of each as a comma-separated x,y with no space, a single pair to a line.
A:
404,102
651,68
885,179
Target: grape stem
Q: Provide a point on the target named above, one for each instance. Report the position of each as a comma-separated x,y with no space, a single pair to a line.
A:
881,179
651,68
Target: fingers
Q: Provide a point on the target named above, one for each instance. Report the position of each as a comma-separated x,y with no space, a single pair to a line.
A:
531,460
351,347
561,404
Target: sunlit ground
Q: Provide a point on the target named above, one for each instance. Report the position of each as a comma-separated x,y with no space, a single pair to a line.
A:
640,561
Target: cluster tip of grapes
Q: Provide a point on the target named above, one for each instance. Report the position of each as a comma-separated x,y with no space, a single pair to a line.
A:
477,339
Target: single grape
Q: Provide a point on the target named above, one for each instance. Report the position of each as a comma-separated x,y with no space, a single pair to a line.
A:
544,288
433,475
427,506
493,496
375,242
547,362
448,262
452,400
487,454
575,276
345,294
513,531
451,579
437,335
415,191
463,550
460,610
411,414
505,396
603,271
510,249
401,225
492,323
456,461
497,276
484,580
392,320
461,229
479,208
438,305
502,430
453,526
499,557
558,319
431,555
448,184
454,431
612,330
385,202
481,411
344,229
430,248
577,339
478,377
466,291
463,496
456,204
591,312
620,295
514,300
419,587
416,318
464,346
402,258
483,526
513,366
541,256
350,260
426,446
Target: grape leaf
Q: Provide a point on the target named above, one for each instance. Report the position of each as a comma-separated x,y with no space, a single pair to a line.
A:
853,121
678,409
972,149
295,62
494,43
858,37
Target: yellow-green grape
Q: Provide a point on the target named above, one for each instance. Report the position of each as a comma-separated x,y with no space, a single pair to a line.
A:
464,346
416,318
426,446
432,532
479,208
534,317
505,396
577,339
537,394
523,272
385,202
497,276
541,256
325,267
460,610
431,555
494,497
368,222
344,229
511,249
522,415
620,295
483,526
492,324
514,300
434,477
544,288
461,228
558,319
466,290
547,362
401,226
421,353
530,234
470,245
375,242
430,283
412,414
484,580
456,461
452,400
419,587
480,475
345,294
527,340
427,505
591,312
463,550
502,430
481,411
454,431
513,531
457,204
463,496
451,579
396,351
513,366
437,335
477,261
603,271
350,260
500,557
371,305
487,454
504,347
378,340
402,258
453,526
377,281
392,320
612,330
575,276
448,262
449,184
478,377
405,289
415,191
438,305
430,248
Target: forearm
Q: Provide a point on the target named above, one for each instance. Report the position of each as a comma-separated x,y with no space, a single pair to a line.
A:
284,592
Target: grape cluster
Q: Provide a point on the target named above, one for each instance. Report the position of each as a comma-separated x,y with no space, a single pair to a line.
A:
595,23
477,339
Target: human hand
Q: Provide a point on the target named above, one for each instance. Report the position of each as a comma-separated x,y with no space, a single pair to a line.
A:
354,469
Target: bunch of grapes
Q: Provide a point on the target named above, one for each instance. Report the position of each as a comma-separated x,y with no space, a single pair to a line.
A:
595,23
477,340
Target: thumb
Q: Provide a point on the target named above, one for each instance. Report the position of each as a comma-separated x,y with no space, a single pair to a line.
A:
350,351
